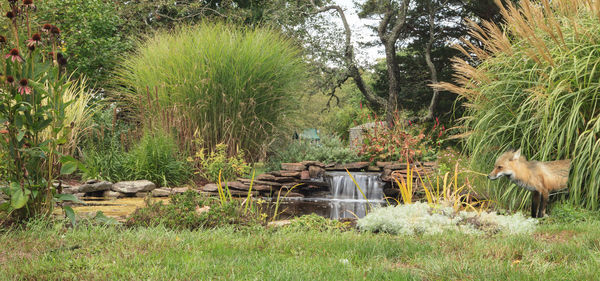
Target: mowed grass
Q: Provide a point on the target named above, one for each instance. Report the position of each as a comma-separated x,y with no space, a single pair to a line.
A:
554,252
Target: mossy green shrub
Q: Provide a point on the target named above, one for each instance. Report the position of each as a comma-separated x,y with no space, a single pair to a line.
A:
422,219
535,87
227,84
191,210
155,157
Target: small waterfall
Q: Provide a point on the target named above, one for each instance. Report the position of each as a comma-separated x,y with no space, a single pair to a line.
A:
342,186
347,201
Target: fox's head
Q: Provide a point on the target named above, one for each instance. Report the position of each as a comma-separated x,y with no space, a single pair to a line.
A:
505,164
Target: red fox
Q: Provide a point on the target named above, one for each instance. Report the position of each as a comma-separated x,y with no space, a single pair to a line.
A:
540,178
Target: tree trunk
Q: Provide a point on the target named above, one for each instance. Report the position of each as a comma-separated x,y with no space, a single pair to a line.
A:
430,65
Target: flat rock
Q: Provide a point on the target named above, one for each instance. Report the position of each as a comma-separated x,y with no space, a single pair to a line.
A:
304,175
240,193
161,192
313,163
286,174
350,166
382,164
70,190
395,166
266,177
112,194
271,183
142,194
79,195
238,185
133,186
177,190
211,187
315,171
293,167
284,179
316,183
261,187
373,169
94,186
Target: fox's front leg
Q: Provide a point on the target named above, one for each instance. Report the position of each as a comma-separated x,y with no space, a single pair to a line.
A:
535,203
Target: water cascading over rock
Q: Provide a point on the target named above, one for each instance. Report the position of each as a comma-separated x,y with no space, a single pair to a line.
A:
347,200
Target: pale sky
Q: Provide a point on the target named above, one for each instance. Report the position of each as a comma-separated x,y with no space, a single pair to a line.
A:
359,32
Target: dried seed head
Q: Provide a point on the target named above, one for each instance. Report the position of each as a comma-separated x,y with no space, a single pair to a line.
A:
2,39
31,47
55,30
27,2
10,79
46,27
10,15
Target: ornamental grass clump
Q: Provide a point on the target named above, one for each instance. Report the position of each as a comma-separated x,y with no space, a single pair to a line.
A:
229,85
535,86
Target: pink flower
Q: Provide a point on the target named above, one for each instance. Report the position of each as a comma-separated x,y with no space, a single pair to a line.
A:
23,88
14,55
36,39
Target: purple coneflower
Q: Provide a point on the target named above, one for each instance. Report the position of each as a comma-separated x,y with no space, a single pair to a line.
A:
23,88
14,55
46,28
28,4
10,80
55,30
36,39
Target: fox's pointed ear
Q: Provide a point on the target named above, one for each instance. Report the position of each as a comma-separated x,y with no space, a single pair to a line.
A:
517,154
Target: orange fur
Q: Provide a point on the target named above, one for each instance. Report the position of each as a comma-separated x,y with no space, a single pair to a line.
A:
540,178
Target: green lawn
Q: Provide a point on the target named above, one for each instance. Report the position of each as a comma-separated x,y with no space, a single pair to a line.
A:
555,252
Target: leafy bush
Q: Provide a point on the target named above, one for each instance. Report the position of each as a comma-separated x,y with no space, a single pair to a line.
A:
231,85
535,87
329,149
191,210
217,163
93,35
402,142
419,218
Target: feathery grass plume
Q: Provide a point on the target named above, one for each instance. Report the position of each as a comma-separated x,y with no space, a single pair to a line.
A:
78,113
536,86
231,85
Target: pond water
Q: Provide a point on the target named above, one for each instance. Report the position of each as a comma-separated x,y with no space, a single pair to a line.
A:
343,200
118,208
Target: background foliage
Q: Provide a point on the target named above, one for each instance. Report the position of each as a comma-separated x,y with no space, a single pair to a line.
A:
94,35
536,87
